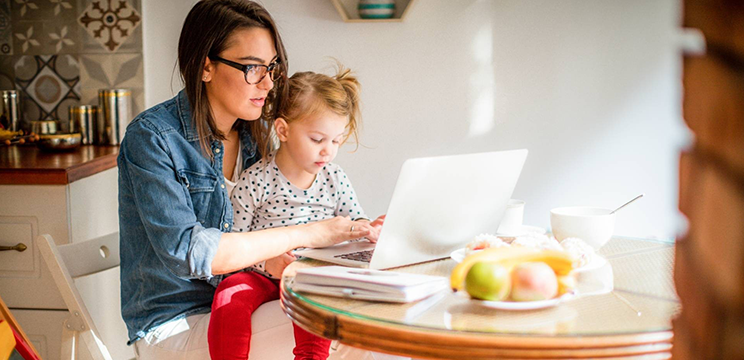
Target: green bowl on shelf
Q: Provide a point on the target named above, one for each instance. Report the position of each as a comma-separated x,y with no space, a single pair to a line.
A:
376,9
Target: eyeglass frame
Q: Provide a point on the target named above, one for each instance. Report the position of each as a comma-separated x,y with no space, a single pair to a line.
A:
245,68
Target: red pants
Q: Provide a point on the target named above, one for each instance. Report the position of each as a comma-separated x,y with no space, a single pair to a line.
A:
236,299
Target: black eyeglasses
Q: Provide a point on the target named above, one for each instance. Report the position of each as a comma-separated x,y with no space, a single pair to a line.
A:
254,73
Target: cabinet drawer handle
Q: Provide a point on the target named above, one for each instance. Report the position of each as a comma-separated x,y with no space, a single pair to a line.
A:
19,247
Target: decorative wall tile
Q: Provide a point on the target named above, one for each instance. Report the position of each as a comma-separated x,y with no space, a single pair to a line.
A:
7,73
6,29
43,10
46,27
50,84
121,71
61,14
27,38
25,9
109,71
61,5
62,37
111,24
59,53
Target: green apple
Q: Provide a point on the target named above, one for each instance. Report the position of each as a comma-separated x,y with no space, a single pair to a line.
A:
488,281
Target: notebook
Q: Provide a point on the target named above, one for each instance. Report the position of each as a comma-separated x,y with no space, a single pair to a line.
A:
368,284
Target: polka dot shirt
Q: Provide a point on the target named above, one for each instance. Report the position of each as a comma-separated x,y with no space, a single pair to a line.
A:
263,198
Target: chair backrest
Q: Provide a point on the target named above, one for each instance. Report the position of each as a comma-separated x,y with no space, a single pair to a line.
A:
70,261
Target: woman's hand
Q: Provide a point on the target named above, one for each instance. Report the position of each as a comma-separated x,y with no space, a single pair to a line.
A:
275,266
333,231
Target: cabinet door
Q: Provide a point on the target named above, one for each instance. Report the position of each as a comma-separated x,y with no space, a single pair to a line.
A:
94,206
26,212
44,330
85,209
82,210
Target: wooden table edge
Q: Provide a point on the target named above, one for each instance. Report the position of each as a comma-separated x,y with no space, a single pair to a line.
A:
418,342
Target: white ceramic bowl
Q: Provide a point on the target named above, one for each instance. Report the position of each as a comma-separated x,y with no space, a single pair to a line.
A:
593,225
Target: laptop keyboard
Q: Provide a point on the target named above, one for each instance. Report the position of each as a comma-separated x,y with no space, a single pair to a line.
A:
362,256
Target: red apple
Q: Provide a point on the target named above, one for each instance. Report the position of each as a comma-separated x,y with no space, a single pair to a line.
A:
533,281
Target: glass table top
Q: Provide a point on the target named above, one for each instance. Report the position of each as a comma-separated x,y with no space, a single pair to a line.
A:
643,300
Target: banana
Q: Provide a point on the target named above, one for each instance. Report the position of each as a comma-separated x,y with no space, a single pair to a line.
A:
566,283
561,262
7,134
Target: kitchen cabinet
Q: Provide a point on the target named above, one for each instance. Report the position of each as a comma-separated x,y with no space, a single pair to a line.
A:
72,196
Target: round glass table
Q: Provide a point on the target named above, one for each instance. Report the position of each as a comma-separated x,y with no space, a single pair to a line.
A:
634,320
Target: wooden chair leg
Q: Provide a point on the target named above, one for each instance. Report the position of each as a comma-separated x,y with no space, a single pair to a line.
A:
68,343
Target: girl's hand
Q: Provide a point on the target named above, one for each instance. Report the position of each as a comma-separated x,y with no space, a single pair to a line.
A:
374,231
376,228
333,231
377,223
275,266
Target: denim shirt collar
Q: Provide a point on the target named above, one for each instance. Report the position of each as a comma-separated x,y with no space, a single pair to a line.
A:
190,134
184,114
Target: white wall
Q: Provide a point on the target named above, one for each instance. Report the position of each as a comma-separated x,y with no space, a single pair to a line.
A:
591,88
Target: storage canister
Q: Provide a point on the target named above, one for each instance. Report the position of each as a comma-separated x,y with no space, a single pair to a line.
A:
115,113
83,120
10,114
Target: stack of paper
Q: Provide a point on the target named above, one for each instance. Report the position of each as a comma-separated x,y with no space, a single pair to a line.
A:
367,284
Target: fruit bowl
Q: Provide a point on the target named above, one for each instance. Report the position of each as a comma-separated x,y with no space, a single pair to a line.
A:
59,142
525,305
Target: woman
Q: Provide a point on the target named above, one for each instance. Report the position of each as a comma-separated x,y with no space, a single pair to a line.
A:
177,164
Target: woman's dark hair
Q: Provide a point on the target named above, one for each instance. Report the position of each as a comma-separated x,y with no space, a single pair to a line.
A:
206,32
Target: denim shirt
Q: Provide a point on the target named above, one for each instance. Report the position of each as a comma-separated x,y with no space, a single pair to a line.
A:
173,208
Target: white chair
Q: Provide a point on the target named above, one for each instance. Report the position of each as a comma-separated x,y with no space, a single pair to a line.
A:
272,330
70,261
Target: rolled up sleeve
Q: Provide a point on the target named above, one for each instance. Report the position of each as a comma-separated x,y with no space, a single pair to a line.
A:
203,247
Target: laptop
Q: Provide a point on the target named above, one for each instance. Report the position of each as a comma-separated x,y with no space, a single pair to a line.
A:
439,205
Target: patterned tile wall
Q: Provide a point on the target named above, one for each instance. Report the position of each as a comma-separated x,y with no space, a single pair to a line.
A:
59,53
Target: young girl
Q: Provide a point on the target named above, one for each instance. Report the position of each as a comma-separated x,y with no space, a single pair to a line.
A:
297,184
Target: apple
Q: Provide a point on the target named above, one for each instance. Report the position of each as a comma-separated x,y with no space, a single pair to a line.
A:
533,281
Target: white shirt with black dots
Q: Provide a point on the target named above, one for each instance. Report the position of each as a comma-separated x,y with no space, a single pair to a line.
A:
263,198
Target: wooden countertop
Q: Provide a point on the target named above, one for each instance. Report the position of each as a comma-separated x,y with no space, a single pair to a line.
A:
27,165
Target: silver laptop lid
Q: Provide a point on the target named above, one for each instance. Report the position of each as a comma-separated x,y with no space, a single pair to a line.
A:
441,203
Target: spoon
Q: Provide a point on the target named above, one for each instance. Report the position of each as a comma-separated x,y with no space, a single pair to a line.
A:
626,302
626,204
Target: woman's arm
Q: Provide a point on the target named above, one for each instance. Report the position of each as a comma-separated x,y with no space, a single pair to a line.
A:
239,250
156,200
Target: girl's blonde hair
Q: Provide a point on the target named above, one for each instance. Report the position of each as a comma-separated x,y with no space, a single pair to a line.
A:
309,93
